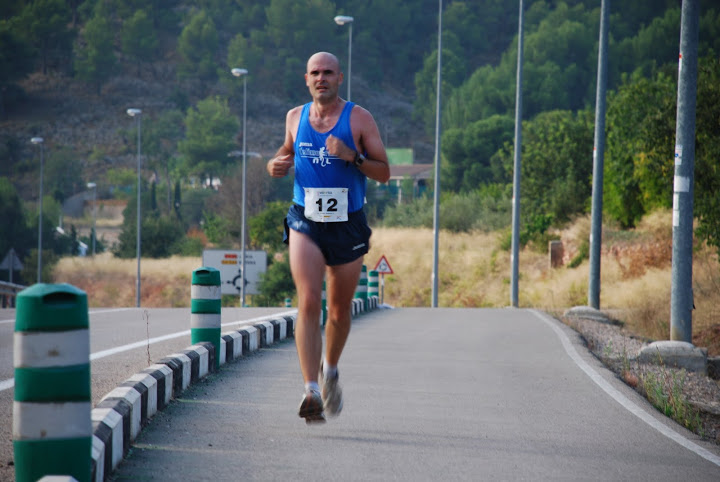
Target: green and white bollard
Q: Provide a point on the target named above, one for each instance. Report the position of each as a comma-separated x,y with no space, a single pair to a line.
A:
288,302
362,288
52,428
373,284
205,305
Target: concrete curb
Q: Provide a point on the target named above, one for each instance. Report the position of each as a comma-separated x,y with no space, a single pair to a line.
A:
120,416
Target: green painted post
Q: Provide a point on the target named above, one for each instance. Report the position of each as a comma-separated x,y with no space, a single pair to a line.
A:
373,284
52,427
362,288
205,304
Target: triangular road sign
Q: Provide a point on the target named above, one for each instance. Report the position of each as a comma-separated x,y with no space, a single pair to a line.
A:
383,267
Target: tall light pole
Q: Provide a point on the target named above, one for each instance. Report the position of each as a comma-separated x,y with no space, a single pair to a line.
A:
39,141
136,114
514,258
93,186
342,20
243,73
436,202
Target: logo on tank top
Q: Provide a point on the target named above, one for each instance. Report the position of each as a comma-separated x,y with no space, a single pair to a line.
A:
317,156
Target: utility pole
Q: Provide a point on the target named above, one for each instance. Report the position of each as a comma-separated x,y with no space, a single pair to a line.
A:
516,169
681,298
598,160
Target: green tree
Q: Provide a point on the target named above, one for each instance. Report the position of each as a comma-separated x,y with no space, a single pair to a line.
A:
197,45
95,60
16,60
47,25
707,152
556,165
15,232
266,229
139,40
209,132
276,283
636,171
468,153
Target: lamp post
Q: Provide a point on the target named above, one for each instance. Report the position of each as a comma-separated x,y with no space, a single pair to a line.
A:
39,141
342,20
243,73
136,114
93,186
436,194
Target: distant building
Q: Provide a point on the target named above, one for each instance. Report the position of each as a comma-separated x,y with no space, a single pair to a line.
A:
402,167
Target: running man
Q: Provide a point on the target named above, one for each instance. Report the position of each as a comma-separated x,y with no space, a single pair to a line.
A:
334,145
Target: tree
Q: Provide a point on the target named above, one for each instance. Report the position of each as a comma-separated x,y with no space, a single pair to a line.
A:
266,229
139,40
707,152
636,171
15,232
46,23
95,61
16,59
467,153
209,132
197,45
556,165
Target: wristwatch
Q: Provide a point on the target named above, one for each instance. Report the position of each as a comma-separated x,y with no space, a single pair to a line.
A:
359,159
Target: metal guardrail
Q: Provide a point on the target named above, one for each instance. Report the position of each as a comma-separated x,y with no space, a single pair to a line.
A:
8,293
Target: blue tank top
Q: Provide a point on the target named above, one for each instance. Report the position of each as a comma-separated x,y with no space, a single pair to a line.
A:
314,167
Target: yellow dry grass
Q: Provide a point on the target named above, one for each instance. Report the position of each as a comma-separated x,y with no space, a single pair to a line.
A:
473,272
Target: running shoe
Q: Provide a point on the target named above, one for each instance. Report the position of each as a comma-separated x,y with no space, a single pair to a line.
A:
311,407
331,394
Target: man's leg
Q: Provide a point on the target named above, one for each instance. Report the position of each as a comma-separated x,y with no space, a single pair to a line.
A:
342,282
307,265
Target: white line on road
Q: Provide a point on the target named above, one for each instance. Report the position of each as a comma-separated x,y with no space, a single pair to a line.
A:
9,383
628,404
91,312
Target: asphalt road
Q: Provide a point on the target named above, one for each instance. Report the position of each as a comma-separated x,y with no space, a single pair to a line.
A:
119,349
430,394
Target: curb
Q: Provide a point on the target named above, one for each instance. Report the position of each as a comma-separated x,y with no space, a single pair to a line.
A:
119,417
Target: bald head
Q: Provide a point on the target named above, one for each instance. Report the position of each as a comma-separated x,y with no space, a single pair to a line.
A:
326,58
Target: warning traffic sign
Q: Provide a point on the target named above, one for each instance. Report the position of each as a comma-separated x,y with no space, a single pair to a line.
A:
383,267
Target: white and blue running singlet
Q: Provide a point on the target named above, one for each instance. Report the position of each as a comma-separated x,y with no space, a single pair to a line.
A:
315,168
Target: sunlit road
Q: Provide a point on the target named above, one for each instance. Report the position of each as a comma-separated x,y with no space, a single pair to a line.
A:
430,394
119,348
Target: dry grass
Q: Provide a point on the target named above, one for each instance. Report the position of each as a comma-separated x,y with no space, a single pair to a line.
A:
474,272
110,282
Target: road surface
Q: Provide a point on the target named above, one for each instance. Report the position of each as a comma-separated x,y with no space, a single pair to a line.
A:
430,394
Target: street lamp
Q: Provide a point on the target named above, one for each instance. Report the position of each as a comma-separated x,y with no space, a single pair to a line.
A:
39,141
243,73
342,20
136,114
93,186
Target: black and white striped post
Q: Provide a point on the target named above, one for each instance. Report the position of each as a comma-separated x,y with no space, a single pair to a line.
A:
52,428
205,304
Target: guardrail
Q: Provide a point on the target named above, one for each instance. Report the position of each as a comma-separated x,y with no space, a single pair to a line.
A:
8,293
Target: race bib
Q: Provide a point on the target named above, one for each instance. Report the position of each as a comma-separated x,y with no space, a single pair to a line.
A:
326,204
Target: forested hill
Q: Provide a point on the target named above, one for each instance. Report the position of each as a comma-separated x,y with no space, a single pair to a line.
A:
69,69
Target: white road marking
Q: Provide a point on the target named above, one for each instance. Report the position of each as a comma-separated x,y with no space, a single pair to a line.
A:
628,404
9,383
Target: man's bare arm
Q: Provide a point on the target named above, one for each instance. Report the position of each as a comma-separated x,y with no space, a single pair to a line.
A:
367,139
280,164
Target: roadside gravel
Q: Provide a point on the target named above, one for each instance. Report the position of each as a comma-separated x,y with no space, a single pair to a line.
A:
618,349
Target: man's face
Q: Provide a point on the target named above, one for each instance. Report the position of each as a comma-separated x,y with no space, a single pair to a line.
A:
323,78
